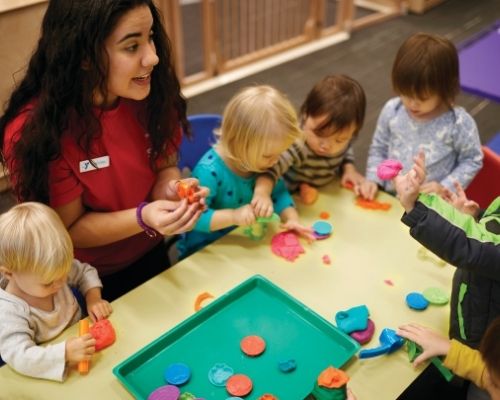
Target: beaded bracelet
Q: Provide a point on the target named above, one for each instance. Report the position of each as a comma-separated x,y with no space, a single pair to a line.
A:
138,213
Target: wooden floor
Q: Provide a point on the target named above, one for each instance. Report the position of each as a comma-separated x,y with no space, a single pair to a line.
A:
367,56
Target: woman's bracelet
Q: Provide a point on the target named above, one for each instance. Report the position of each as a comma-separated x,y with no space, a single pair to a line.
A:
138,214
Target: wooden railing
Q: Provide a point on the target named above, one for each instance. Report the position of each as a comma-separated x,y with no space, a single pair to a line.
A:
227,34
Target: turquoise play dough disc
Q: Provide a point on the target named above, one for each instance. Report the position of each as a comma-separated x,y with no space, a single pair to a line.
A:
322,228
416,301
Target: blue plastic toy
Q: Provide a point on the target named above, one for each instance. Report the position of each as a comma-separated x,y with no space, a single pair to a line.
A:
389,343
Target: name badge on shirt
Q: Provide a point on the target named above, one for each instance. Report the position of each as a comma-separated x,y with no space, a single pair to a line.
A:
99,162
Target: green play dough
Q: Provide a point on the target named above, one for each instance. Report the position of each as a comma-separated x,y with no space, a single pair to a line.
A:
323,393
436,296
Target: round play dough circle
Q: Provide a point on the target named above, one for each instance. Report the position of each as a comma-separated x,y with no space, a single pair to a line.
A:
219,374
436,296
252,345
322,228
268,396
239,385
416,301
167,392
177,374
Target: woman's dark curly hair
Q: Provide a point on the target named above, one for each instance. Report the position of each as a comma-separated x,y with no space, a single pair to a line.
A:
73,35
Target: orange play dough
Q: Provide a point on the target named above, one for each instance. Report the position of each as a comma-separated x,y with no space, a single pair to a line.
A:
252,345
239,385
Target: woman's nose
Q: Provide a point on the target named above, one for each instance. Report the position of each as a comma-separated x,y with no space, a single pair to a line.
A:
150,59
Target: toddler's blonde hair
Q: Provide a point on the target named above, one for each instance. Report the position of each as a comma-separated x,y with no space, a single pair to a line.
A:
253,118
33,239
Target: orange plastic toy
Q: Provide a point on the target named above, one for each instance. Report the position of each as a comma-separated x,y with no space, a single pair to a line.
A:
200,299
83,327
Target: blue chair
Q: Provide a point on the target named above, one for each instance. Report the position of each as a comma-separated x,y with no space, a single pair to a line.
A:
202,127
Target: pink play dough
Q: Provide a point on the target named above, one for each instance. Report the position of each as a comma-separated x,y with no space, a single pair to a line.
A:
286,245
388,169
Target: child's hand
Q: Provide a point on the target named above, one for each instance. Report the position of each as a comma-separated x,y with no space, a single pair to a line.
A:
432,343
434,187
262,205
96,306
303,231
99,309
408,185
352,175
350,395
79,349
244,216
460,201
367,189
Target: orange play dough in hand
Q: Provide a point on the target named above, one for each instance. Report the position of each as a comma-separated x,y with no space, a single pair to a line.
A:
239,385
332,378
252,345
186,190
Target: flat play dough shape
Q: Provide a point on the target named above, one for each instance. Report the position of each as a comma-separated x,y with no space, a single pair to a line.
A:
436,296
417,301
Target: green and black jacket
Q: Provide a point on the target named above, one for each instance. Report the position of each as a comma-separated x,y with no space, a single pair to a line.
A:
473,247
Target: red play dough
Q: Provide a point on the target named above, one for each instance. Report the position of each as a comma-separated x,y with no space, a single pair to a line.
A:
252,345
103,333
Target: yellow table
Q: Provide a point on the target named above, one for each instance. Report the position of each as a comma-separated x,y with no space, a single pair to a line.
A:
366,248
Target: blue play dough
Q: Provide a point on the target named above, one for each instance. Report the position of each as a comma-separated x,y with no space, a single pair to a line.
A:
322,228
287,365
417,301
177,374
354,319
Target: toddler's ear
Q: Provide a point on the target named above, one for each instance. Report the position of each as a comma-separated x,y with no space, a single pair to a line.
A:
5,271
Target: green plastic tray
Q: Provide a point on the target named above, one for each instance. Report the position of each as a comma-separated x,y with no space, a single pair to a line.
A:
213,335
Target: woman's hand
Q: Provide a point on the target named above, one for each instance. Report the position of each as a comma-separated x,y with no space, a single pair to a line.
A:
171,217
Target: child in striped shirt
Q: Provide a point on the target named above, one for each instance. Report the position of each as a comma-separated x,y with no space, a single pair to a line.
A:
332,115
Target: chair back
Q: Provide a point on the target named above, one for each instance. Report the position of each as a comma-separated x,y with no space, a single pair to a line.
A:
202,127
485,187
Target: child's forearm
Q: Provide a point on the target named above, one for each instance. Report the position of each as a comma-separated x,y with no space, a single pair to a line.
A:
222,219
264,185
93,295
289,214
